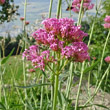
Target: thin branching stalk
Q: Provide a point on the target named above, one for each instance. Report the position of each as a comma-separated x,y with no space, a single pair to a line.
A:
69,83
55,92
0,75
98,85
42,93
103,53
50,8
81,77
106,79
79,88
80,14
25,35
92,29
58,8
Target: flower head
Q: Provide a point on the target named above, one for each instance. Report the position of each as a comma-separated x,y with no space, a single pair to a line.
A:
60,36
27,22
22,18
107,59
77,52
107,19
2,2
76,4
107,22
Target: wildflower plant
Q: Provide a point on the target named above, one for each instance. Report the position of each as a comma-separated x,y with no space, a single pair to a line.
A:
63,38
60,36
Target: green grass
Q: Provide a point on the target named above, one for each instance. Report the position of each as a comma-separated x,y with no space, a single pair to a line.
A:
13,68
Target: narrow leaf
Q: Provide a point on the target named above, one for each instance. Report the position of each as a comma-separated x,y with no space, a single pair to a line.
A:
35,85
91,67
2,106
6,58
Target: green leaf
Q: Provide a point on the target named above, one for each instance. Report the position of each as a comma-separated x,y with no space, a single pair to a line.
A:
2,106
99,105
35,85
91,67
102,106
6,58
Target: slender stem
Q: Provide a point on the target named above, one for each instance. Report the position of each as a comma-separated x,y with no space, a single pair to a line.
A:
80,83
24,74
42,93
61,10
55,92
50,8
69,82
58,8
51,69
24,71
105,84
80,13
98,85
0,75
103,52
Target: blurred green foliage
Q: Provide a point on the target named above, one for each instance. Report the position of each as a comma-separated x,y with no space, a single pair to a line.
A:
7,11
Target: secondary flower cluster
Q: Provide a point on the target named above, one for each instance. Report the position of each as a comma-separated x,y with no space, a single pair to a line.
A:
107,59
2,2
61,36
77,51
76,4
107,22
39,60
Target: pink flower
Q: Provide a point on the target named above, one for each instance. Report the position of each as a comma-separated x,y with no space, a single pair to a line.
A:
86,5
39,60
107,59
107,19
107,25
31,53
52,24
27,22
2,2
58,30
22,18
31,70
77,52
41,36
107,22
61,36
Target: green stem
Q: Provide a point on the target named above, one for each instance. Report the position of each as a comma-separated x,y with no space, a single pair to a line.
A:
55,92
58,8
69,82
80,13
0,75
25,34
98,85
24,74
103,52
50,8
80,83
42,93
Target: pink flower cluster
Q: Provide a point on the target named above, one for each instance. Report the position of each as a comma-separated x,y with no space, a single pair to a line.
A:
61,36
77,52
107,59
107,22
39,60
58,32
2,2
76,4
